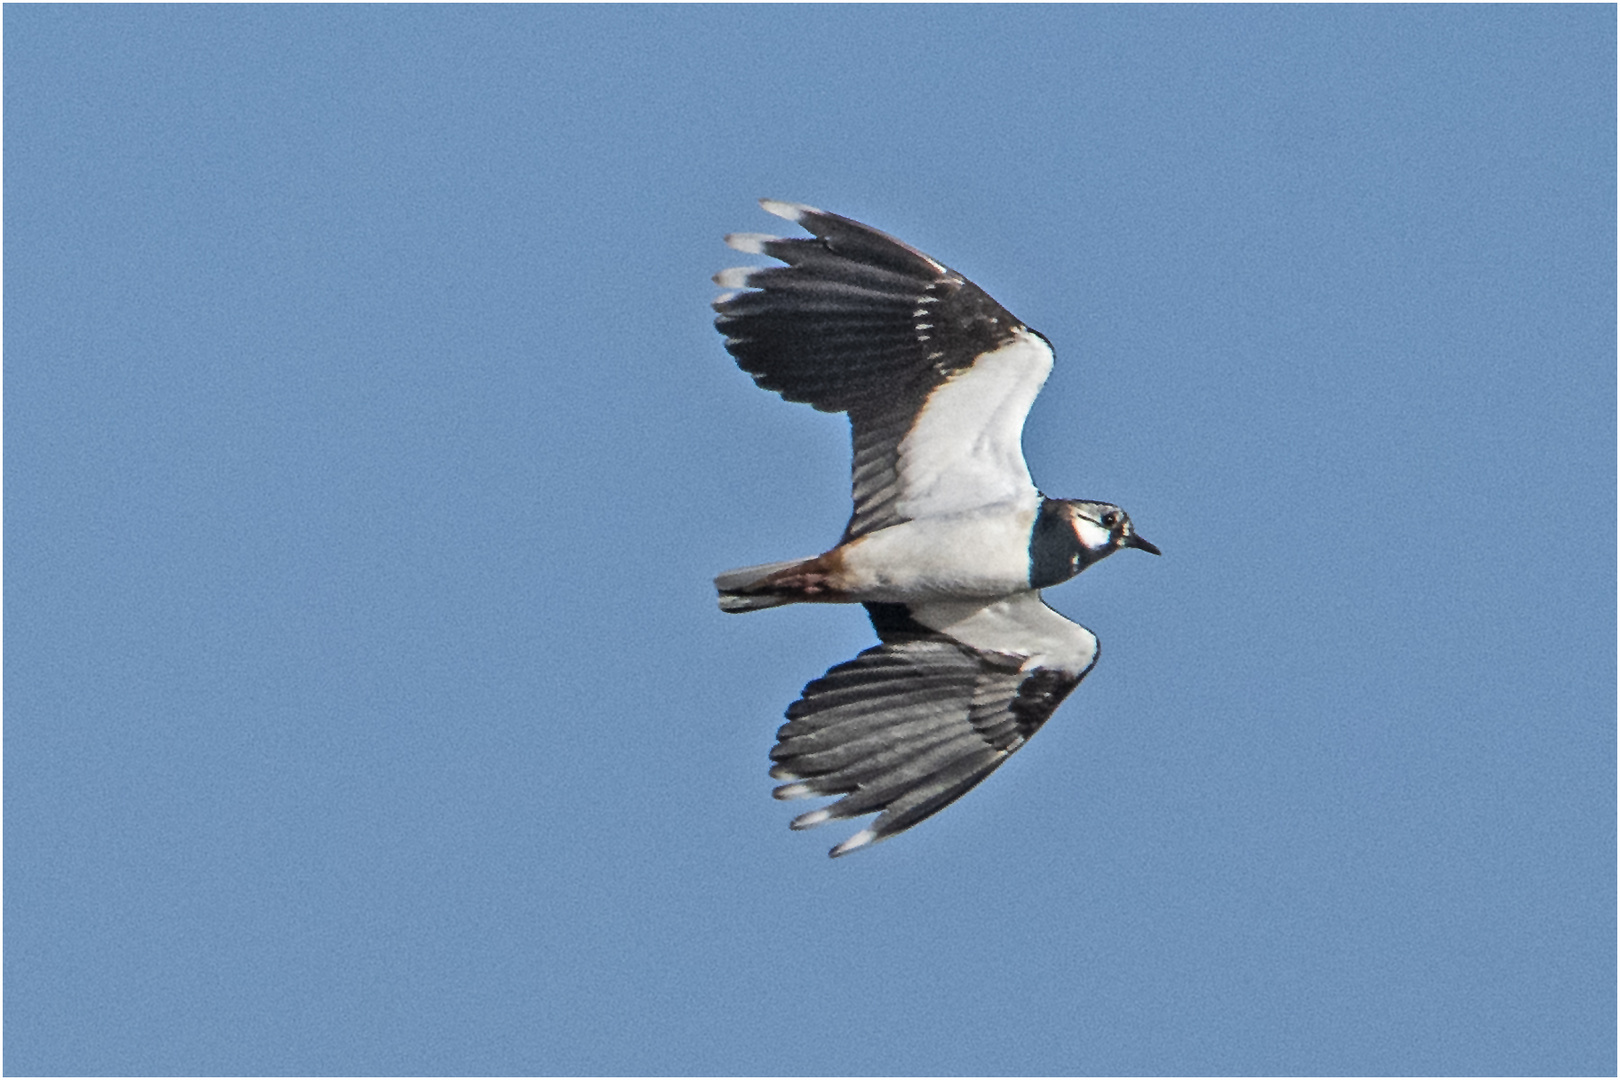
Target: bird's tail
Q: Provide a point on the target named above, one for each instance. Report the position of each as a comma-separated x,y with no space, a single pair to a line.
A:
734,585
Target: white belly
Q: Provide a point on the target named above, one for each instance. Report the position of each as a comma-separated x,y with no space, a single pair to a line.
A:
980,553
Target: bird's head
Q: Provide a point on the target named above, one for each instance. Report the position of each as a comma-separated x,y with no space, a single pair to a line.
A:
1102,529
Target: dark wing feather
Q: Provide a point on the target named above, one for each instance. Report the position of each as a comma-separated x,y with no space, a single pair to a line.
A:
908,727
856,322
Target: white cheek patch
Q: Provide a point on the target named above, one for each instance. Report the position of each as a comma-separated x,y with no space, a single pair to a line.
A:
1091,535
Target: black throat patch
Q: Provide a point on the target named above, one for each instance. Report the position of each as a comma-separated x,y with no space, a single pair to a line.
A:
1055,553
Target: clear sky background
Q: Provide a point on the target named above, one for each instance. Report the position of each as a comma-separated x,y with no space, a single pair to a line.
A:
369,451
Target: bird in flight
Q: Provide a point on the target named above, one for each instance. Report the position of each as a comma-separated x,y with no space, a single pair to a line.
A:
950,542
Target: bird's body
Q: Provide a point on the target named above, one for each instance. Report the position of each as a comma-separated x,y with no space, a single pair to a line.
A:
972,553
949,542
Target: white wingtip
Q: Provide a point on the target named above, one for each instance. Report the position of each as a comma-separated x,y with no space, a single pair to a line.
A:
735,277
859,840
749,243
791,211
810,820
792,791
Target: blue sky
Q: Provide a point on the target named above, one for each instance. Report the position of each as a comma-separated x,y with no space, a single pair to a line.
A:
369,451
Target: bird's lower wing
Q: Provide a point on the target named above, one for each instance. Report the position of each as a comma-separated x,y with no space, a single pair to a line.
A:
907,728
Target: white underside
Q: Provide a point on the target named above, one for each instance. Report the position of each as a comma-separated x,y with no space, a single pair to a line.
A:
981,553
965,448
1020,625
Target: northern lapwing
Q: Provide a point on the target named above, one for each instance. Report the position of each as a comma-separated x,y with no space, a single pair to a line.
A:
950,542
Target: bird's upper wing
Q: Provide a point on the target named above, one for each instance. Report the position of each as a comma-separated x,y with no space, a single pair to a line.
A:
935,375
910,726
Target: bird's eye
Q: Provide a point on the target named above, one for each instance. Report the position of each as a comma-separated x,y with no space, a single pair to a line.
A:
1110,519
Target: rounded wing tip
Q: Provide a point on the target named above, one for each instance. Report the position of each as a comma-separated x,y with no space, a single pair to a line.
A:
749,243
859,840
735,277
810,820
789,211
